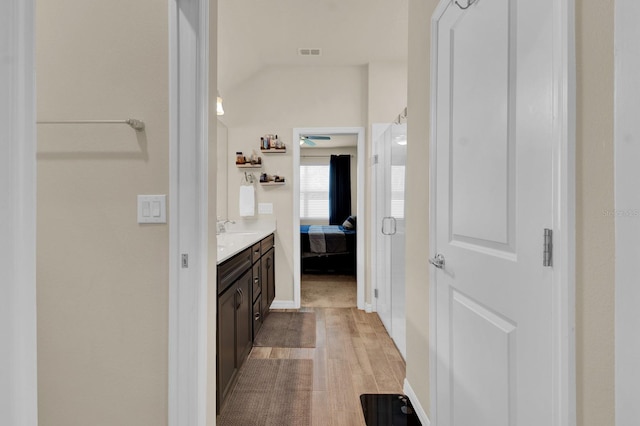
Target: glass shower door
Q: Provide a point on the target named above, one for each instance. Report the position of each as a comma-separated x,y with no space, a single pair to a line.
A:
389,169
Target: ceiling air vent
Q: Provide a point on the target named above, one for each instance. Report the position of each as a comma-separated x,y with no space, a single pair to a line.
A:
307,51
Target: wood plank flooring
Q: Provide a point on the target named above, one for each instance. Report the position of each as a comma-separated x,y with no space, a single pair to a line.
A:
353,355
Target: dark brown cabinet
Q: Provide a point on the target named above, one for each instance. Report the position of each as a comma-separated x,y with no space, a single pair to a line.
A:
268,281
246,288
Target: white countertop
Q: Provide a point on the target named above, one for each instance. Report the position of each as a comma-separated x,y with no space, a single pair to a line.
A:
238,238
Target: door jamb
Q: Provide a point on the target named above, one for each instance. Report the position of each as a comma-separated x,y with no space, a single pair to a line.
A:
18,323
359,132
188,204
564,213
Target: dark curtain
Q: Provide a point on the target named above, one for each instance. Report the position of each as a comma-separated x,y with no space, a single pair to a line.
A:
339,189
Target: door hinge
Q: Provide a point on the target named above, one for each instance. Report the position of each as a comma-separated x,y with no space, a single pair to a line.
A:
374,159
375,293
185,260
547,260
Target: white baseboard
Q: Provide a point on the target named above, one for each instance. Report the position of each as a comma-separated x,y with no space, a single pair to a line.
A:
283,304
368,308
422,415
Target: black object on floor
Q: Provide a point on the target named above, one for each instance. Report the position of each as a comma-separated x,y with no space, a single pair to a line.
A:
388,410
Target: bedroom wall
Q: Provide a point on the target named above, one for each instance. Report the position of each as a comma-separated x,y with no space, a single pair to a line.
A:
102,279
595,249
353,152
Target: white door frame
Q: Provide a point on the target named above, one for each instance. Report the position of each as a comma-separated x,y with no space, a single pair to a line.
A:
362,226
563,221
18,339
188,204
626,212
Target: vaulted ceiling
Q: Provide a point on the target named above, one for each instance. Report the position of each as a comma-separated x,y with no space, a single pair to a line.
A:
253,34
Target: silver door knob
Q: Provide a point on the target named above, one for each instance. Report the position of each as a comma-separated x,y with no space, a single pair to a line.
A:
437,261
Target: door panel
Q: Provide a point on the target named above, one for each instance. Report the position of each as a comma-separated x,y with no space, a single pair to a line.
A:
483,363
481,142
493,187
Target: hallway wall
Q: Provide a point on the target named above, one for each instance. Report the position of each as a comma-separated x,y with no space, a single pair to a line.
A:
594,191
102,279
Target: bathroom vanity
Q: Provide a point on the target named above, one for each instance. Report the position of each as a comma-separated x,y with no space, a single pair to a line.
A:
246,289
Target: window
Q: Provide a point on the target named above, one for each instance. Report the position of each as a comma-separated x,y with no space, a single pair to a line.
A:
314,191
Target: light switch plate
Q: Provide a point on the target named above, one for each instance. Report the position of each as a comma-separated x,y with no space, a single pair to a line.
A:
152,209
265,208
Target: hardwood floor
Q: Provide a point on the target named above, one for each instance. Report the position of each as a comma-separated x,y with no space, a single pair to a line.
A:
353,355
324,291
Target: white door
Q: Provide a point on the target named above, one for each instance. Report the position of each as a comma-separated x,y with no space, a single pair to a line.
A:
493,200
389,176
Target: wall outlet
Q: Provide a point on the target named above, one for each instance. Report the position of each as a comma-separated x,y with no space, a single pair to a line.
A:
265,208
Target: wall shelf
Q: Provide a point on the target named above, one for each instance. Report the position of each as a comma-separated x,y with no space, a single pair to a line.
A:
274,150
249,166
272,183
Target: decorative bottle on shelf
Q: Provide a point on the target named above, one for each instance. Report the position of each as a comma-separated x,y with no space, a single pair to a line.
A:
239,157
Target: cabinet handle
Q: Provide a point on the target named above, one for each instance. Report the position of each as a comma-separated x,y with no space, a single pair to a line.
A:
256,279
256,316
239,293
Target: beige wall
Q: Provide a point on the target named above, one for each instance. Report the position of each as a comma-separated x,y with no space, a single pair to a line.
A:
222,169
595,232
595,245
275,101
102,279
417,199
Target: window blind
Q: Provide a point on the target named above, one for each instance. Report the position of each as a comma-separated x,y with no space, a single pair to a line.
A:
314,191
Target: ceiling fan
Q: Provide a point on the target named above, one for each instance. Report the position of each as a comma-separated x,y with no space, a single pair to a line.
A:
309,140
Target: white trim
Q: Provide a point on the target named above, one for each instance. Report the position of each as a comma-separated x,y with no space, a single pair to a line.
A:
359,131
188,204
415,402
564,218
284,304
368,308
626,212
433,350
564,206
18,358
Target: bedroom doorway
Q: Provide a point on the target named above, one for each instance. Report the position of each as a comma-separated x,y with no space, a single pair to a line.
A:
329,258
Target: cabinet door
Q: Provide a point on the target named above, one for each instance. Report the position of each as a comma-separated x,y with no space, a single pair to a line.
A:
269,258
257,284
264,274
226,340
244,318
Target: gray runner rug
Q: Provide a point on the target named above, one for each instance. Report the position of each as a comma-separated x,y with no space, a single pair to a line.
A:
288,330
270,392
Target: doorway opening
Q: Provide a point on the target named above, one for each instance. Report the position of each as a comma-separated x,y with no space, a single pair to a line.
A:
329,258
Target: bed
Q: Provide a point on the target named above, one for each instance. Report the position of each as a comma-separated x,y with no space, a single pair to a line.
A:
328,249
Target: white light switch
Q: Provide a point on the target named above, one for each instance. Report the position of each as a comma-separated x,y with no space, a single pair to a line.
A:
265,208
152,209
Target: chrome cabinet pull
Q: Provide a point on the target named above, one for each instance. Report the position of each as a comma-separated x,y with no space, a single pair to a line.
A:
437,261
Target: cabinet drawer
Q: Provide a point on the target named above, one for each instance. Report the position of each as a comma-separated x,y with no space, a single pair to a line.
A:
232,269
266,244
257,281
255,252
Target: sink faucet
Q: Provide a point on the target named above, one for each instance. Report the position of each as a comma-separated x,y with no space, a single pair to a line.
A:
222,228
